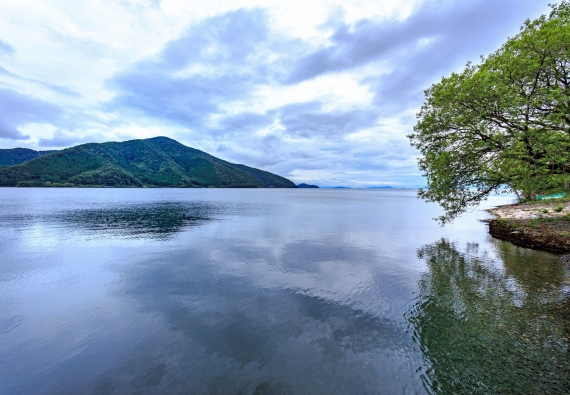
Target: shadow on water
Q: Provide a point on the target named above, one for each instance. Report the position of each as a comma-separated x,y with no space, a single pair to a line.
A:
490,328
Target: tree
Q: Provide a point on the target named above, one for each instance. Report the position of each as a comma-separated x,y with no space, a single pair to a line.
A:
501,124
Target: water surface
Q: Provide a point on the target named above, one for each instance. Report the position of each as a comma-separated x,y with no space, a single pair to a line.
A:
178,291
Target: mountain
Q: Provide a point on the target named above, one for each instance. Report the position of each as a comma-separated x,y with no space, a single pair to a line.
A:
15,156
303,185
154,162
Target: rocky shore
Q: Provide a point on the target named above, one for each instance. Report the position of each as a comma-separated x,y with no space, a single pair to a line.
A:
542,226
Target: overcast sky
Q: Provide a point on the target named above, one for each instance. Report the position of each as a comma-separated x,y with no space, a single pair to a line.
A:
317,91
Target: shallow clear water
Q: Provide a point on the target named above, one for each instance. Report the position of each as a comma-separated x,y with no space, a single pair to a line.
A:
177,291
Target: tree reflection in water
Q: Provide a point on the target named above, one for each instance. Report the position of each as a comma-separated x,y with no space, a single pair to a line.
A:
491,327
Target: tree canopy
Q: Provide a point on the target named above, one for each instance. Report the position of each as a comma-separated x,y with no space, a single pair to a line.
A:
501,124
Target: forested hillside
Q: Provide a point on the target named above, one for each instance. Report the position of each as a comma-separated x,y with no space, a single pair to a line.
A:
15,156
155,162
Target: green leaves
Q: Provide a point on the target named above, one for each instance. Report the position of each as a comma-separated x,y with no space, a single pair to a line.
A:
502,124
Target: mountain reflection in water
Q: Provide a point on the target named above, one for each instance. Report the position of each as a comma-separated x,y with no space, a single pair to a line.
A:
156,220
491,328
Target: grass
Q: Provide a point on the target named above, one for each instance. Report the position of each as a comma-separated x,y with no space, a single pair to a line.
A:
559,209
536,222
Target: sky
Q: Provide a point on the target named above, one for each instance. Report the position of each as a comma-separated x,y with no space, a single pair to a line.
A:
318,91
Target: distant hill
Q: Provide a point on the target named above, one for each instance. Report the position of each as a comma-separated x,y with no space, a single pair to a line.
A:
15,156
303,185
154,162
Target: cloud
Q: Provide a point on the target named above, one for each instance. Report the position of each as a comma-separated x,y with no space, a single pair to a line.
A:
55,88
308,119
218,60
472,24
436,39
244,122
6,48
18,110
458,35
222,148
10,132
64,139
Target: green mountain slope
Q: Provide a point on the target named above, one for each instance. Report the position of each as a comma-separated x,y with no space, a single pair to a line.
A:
159,161
15,156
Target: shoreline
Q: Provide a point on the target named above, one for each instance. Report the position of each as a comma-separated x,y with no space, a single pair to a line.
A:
537,225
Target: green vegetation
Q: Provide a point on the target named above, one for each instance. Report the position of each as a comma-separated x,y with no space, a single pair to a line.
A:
15,156
502,124
545,229
550,220
559,209
155,162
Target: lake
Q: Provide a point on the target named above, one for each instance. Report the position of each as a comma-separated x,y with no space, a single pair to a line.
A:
271,291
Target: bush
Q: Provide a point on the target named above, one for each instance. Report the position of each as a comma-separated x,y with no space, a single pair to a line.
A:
559,209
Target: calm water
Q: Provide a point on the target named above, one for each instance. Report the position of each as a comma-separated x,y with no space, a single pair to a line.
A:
175,291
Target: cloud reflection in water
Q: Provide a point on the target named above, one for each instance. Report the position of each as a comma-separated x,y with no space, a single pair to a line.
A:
229,335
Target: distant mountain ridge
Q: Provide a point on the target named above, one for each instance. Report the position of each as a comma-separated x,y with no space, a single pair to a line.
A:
154,162
15,156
